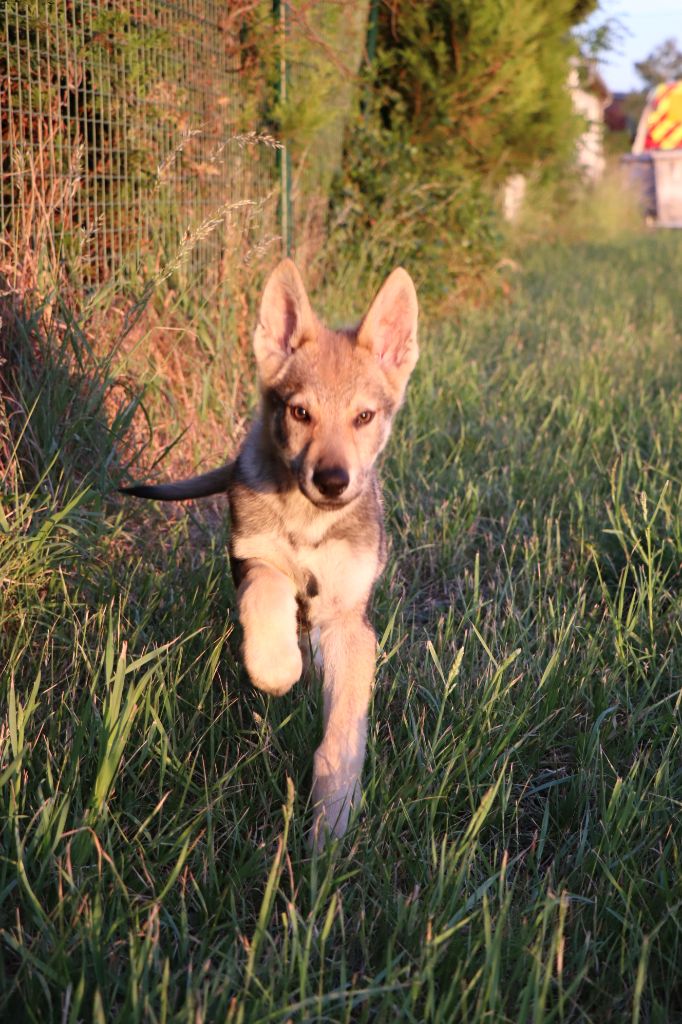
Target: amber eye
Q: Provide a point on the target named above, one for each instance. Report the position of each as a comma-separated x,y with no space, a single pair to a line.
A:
363,418
299,413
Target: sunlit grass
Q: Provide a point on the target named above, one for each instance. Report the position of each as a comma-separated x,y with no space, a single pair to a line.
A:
517,854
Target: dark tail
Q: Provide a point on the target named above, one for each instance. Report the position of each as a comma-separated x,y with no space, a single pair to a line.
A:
215,482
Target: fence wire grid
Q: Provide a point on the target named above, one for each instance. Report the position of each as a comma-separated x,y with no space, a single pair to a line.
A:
129,128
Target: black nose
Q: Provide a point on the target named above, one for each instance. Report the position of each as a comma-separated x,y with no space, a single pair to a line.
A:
332,481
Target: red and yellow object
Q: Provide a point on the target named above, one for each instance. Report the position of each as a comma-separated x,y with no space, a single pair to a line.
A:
664,123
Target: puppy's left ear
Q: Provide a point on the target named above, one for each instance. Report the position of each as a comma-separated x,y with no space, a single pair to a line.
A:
389,329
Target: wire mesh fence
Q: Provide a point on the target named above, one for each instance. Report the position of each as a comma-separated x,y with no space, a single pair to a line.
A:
128,130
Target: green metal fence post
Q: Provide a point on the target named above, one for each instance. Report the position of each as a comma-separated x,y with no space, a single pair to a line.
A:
279,10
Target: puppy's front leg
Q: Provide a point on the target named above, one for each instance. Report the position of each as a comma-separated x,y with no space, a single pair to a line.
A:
267,611
349,652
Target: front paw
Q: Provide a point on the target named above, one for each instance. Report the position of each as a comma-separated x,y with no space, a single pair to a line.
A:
273,668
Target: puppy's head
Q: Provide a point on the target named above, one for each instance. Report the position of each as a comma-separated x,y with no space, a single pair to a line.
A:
329,396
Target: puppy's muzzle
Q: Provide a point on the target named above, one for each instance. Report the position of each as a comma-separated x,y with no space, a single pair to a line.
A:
331,481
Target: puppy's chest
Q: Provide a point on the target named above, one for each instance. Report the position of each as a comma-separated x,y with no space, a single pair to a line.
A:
331,576
334,577
332,559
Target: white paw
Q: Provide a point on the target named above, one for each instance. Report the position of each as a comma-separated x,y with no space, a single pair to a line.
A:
273,668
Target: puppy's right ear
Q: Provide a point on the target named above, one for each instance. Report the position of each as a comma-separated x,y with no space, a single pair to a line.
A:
285,321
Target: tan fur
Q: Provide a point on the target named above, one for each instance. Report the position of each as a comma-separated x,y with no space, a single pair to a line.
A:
307,528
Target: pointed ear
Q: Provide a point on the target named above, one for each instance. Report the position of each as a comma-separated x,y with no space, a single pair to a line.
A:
389,329
285,320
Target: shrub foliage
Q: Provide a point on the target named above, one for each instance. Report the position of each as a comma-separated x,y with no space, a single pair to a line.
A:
458,96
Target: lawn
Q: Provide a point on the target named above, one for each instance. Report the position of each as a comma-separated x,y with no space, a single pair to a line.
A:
518,852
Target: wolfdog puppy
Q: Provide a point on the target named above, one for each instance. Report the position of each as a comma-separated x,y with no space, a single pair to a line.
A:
307,543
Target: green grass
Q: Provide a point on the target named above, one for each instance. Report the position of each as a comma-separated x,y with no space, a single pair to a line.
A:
518,854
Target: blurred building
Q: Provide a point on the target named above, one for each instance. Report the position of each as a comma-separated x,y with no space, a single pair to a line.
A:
590,97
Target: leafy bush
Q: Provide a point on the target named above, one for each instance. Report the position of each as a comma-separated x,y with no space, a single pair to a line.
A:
458,96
